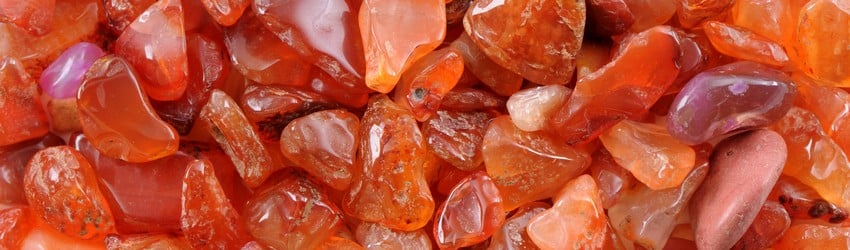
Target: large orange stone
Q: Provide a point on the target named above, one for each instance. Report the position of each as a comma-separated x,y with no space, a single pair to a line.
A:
23,117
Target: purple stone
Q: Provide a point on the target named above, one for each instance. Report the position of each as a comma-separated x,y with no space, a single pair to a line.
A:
733,97
63,77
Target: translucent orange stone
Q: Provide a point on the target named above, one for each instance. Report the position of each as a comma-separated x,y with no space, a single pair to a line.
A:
471,213
650,153
146,241
118,118
13,163
773,19
23,117
802,202
743,44
155,44
355,96
225,12
619,90
293,214
207,219
15,224
513,234
36,17
375,236
120,13
394,38
692,12
611,178
591,57
469,99
807,236
271,107
456,137
823,33
423,85
576,221
260,56
502,81
813,158
532,108
831,105
228,125
389,185
544,54
528,166
324,144
324,32
43,237
62,190
769,225
337,243
649,13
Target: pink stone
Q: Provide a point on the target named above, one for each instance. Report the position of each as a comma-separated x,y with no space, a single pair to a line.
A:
63,77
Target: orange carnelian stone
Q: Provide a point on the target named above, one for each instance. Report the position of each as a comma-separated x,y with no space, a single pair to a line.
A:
225,12
807,236
293,214
532,108
692,12
513,234
375,236
120,13
591,57
355,96
469,99
23,117
456,137
271,107
650,13
624,88
802,202
576,221
36,16
611,178
528,166
821,41
15,224
44,237
651,154
768,227
155,44
389,185
207,219
260,56
337,243
831,105
62,190
423,85
743,44
13,163
118,118
471,213
540,43
502,81
394,37
324,144
228,125
146,241
773,19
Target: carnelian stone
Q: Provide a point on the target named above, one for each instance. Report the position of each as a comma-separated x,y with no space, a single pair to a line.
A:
538,43
807,236
448,177
207,218
271,107
456,137
146,241
260,56
608,17
394,38
773,19
423,85
293,214
118,118
528,166
120,13
324,144
692,12
23,117
802,202
355,96
650,13
530,109
43,237
502,81
62,190
769,225
389,185
619,90
225,12
324,32
13,163
228,125
611,178
743,44
469,99
577,219
337,243
375,236
513,234
36,17
155,44
823,33
831,105
591,57
14,226
471,213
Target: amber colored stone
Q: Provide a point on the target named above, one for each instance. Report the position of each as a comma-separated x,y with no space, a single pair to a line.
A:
813,158
423,85
355,96
260,56
146,241
36,17
324,144
62,190
23,117
513,234
337,243
455,10
576,221
773,19
802,202
207,218
591,57
769,225
375,236
528,166
324,32
470,99
823,32
471,213
502,81
234,133
650,13
389,185
807,236
120,13
271,107
43,237
608,17
611,178
741,43
117,116
456,137
14,226
697,55
619,90
692,12
650,153
831,105
449,176
155,44
394,38
225,12
293,214
13,163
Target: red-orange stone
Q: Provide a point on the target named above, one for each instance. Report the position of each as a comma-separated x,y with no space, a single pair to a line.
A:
502,81
811,237
822,35
538,41
693,12
743,44
259,55
375,236
23,117
513,234
146,241
226,12
15,224
472,212
208,220
155,44
271,107
423,86
576,221
456,137
624,88
62,190
13,163
324,144
117,117
120,13
36,17
389,185
768,227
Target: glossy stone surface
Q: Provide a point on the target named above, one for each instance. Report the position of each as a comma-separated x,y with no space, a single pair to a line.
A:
469,99
513,234
611,178
111,87
502,81
207,218
773,19
577,219
13,162
62,190
831,105
741,43
456,137
693,12
226,12
649,13
375,236
531,108
544,54
423,85
271,107
42,237
802,202
146,241
324,144
36,17
63,77
390,43
260,56
528,166
751,94
769,225
23,117
471,213
14,225
821,39
807,236
120,13
608,17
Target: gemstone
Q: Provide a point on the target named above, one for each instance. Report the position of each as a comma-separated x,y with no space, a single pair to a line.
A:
23,117
471,213
576,220
207,218
63,77
324,144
